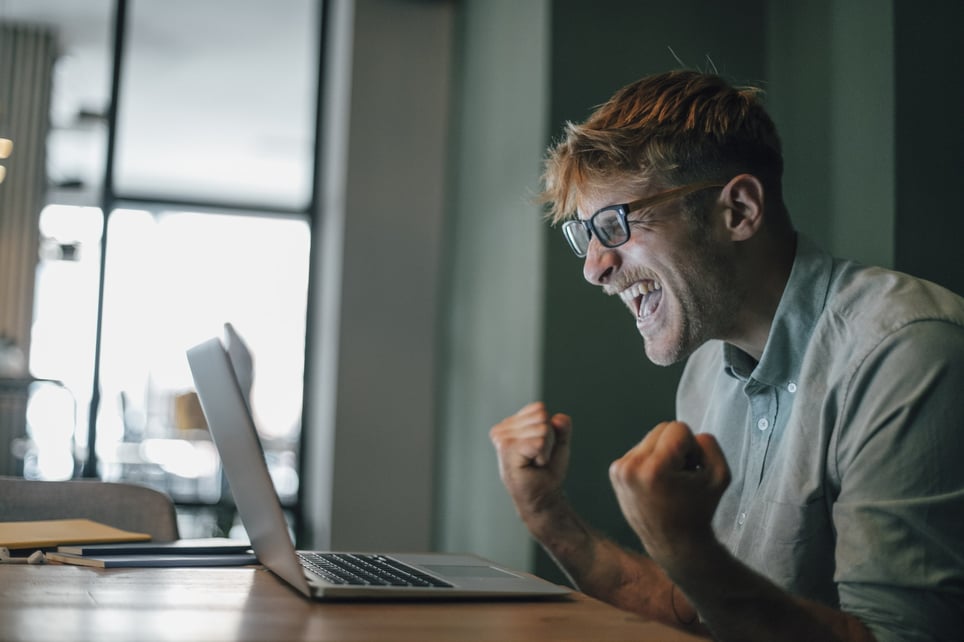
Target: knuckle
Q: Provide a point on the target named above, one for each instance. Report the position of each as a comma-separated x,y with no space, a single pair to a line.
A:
501,438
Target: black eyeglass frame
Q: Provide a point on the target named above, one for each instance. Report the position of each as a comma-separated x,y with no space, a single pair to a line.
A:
622,211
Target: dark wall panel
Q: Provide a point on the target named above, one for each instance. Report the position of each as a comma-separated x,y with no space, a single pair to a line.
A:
929,55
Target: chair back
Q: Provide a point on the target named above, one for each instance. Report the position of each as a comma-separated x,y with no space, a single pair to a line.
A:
122,505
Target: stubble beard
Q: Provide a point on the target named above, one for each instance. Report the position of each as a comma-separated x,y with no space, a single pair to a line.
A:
704,298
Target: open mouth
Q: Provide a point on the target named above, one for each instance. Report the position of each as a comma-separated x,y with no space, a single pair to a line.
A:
642,298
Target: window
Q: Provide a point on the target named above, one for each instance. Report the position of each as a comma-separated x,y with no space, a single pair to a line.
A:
208,221
217,101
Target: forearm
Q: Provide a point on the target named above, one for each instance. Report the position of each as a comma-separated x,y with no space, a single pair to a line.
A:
736,603
601,568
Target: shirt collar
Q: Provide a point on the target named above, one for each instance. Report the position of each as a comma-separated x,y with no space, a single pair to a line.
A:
801,305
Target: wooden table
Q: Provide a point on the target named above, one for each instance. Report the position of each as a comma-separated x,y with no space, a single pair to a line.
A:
70,603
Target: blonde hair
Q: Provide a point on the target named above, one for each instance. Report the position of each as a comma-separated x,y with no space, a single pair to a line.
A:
673,128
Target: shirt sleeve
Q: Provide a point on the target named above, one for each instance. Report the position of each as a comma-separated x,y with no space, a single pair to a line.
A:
899,466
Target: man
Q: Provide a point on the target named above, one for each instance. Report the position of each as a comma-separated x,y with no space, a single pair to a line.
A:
812,487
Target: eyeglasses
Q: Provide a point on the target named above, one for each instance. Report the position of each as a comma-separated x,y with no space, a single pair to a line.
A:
609,224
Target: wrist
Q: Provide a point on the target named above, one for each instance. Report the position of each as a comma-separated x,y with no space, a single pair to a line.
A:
544,511
555,525
690,556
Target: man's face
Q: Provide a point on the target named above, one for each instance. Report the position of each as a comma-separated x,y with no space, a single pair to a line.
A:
671,275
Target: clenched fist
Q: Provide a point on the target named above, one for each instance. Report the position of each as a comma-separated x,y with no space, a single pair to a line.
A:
533,450
668,487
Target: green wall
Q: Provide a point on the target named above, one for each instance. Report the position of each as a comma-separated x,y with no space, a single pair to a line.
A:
831,83
492,316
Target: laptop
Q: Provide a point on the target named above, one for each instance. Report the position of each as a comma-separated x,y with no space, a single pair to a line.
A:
329,574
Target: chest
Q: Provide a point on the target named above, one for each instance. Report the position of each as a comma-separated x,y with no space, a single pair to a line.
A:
776,514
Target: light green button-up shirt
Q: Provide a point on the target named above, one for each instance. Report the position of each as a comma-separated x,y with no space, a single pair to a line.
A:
846,445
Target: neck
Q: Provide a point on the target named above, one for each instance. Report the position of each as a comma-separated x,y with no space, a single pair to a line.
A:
766,271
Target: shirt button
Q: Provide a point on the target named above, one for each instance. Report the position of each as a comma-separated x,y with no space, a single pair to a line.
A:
741,519
763,424
792,387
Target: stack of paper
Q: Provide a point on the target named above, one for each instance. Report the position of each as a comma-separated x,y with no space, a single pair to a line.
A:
89,543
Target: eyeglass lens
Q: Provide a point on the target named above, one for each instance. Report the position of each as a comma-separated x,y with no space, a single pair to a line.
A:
577,235
606,224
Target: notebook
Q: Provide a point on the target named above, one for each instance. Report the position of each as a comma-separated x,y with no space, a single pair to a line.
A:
53,532
329,574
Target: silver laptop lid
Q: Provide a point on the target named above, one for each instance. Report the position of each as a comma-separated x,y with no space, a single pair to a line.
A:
235,436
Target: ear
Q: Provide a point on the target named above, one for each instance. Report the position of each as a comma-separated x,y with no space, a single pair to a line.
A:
743,199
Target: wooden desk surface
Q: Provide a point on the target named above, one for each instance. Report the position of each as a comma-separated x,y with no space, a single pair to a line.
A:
57,603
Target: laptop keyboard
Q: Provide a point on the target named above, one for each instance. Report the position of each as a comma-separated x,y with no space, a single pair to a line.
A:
366,570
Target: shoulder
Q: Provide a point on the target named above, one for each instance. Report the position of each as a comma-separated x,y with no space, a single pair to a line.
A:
876,301
890,349
869,311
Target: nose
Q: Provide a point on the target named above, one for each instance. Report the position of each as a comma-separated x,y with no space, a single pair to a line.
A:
600,264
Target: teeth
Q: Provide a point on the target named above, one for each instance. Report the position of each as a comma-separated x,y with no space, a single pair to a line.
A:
638,289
